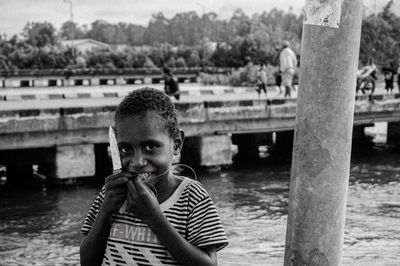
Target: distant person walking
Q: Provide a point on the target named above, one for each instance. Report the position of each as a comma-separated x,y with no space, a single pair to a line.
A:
261,81
389,73
171,86
277,74
398,66
287,66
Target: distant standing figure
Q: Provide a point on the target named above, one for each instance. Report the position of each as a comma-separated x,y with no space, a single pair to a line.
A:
171,86
277,74
398,67
278,80
262,81
389,73
287,65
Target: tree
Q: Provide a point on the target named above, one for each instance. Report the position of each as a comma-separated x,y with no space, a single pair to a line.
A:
70,30
40,34
379,36
148,63
157,30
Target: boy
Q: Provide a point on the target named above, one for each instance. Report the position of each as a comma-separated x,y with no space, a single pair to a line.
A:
163,220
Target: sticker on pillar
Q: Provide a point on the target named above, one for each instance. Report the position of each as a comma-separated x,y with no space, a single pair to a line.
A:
324,13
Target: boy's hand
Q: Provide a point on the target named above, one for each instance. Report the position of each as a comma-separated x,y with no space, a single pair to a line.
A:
115,194
141,201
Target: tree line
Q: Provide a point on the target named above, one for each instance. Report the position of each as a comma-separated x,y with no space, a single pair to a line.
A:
186,40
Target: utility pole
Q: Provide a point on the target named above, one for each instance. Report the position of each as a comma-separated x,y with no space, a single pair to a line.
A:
73,27
323,133
203,36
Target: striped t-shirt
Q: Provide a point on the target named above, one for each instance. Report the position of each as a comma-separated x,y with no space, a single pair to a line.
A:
189,209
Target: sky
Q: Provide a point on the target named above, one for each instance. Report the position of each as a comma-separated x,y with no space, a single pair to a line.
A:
17,13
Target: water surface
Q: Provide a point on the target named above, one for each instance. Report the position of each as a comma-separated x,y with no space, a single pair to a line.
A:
42,228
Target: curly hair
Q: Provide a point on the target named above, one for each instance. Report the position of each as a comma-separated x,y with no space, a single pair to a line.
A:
149,100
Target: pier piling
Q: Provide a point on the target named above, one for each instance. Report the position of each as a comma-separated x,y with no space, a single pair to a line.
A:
323,132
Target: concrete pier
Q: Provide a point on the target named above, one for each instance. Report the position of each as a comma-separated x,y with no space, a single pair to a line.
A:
74,161
42,119
207,151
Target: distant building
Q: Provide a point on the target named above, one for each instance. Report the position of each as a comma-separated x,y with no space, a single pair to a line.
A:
120,47
83,45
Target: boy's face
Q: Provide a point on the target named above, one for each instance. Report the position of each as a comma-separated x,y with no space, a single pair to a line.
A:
145,146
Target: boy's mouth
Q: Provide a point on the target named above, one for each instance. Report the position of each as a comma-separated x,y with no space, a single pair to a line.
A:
144,178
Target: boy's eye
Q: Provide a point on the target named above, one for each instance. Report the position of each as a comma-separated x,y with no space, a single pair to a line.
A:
125,150
150,147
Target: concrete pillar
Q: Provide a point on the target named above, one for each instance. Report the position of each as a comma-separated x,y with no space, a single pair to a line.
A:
95,81
69,82
393,134
248,145
147,80
120,81
8,83
207,151
74,161
323,132
37,82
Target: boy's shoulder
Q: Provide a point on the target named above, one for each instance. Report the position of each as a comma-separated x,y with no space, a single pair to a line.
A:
194,186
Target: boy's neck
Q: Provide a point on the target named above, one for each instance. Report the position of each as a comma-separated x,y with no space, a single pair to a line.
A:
167,186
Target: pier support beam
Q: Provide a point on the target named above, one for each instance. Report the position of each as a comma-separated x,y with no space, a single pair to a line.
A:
73,161
393,134
120,81
147,80
69,82
10,83
207,151
323,133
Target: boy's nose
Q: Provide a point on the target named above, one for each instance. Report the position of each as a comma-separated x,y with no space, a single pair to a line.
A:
137,161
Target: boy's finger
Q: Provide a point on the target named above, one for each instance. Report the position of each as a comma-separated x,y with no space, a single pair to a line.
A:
121,190
131,187
118,175
117,182
129,195
140,186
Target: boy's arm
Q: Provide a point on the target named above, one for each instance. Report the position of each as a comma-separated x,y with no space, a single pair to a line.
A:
147,208
94,244
180,249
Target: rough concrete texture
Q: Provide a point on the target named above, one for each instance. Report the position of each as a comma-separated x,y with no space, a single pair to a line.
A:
74,161
322,142
214,150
